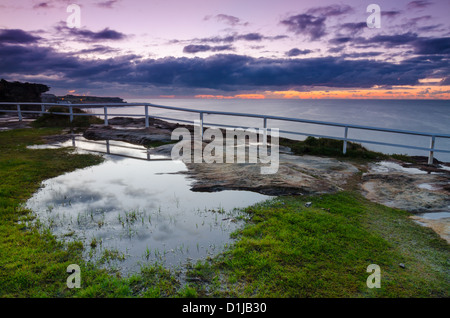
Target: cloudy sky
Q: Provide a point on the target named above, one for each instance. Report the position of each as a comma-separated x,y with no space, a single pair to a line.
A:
228,48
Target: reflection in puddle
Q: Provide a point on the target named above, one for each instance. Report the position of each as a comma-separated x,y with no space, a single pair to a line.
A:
141,209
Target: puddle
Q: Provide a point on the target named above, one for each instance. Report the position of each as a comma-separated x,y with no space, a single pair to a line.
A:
388,166
434,215
438,221
12,122
138,208
426,186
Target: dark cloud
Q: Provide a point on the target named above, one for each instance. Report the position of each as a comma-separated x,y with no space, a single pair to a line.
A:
440,46
218,39
308,24
32,60
50,4
419,4
17,36
230,20
296,52
107,4
361,54
240,37
353,28
42,5
390,14
251,37
106,34
222,72
420,45
206,48
312,23
429,28
446,81
389,41
85,35
98,49
340,40
336,49
331,10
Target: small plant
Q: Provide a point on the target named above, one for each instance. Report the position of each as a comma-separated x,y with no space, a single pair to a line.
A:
94,243
147,253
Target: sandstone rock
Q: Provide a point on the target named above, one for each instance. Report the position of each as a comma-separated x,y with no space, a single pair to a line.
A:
408,188
295,175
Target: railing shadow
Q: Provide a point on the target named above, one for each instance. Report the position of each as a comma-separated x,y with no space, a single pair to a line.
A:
111,149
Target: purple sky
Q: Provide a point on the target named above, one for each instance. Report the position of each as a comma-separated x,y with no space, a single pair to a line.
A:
280,48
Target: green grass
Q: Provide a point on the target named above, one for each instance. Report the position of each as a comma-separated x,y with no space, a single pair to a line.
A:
285,249
289,250
330,148
157,143
33,262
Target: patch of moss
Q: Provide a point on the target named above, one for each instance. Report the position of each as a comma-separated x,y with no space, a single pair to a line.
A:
330,148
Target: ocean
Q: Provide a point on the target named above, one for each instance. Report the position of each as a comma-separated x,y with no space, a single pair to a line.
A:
430,116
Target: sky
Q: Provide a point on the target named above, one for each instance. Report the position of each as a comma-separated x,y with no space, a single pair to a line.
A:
230,48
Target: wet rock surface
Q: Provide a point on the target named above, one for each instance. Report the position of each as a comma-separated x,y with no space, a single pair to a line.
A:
419,188
130,130
412,187
295,175
11,122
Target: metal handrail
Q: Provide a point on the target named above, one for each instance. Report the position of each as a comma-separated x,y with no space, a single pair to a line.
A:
105,106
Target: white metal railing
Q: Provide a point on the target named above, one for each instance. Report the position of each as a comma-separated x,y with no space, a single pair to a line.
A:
431,150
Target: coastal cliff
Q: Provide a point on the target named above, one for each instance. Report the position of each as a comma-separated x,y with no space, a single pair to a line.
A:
21,92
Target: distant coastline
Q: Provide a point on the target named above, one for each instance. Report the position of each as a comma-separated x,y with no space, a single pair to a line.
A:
74,99
33,92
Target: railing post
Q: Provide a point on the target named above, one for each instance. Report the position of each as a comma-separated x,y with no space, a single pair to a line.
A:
265,131
71,113
201,124
431,154
42,109
344,150
106,115
146,116
19,113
